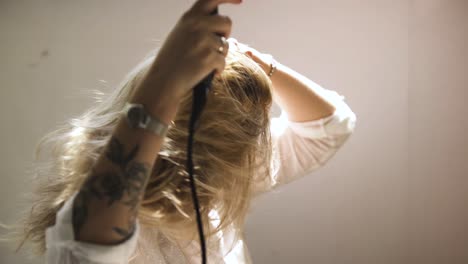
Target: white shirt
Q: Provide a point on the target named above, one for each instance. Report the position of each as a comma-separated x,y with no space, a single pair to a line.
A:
301,148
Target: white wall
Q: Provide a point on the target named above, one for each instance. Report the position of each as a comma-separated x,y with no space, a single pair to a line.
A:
395,193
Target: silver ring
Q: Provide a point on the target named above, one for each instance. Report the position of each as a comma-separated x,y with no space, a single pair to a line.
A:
223,43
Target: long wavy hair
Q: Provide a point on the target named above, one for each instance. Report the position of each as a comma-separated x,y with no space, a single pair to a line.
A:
232,153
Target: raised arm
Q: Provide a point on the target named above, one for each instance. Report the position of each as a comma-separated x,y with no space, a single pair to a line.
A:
105,208
314,124
302,99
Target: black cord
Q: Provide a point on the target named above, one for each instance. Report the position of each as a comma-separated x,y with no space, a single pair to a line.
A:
199,100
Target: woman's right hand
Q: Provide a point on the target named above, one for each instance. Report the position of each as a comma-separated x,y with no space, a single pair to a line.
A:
190,52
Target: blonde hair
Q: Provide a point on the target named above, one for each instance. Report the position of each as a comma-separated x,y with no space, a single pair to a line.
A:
232,151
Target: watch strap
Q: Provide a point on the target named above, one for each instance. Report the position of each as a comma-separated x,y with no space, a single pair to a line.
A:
152,124
156,126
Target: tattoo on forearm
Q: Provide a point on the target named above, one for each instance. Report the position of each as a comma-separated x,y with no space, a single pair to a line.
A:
125,185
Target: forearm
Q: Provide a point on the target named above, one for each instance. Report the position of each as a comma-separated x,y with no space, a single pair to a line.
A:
105,209
299,96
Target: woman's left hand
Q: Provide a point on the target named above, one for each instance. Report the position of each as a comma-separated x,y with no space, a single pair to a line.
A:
264,60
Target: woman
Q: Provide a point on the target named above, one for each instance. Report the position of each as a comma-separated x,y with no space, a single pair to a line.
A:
121,194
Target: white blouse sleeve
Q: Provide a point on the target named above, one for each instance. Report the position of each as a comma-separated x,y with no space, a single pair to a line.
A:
302,147
61,246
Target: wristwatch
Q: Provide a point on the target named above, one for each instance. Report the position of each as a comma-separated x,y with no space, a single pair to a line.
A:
138,117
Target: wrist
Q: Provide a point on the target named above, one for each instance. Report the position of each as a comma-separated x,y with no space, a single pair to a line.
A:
268,64
160,103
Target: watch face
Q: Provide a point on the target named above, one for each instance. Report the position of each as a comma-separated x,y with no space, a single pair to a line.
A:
135,116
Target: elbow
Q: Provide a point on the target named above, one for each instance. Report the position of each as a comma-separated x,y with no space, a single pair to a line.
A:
340,128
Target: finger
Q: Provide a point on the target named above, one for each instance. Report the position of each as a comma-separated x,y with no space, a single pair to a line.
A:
217,24
217,58
217,42
205,7
220,63
215,61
